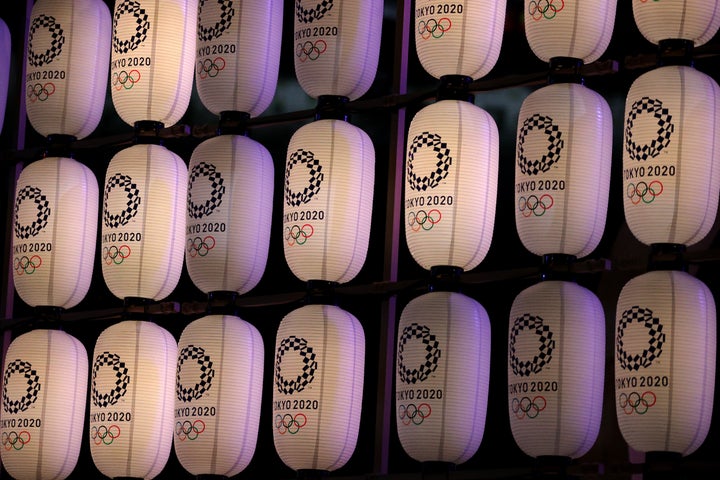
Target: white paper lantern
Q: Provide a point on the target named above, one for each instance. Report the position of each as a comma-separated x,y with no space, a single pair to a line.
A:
442,377
671,179
562,169
152,59
559,28
317,387
229,210
5,53
218,395
143,229
45,379
55,232
556,358
453,38
337,46
238,54
697,21
451,179
131,399
67,73
329,180
665,344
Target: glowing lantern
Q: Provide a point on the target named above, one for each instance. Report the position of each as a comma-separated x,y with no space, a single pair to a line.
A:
694,21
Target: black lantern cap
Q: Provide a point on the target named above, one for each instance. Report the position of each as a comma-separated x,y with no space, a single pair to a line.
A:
565,70
455,87
222,302
551,467
233,122
445,278
59,145
207,476
148,132
667,256
675,51
137,308
310,474
663,466
436,469
557,266
332,107
320,292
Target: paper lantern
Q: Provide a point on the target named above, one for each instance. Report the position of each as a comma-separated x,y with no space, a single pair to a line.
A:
451,179
329,181
337,46
556,358
562,169
238,54
66,79
152,59
697,21
665,344
143,222
218,395
559,28
452,38
5,53
55,230
442,377
131,399
672,146
45,379
229,210
317,387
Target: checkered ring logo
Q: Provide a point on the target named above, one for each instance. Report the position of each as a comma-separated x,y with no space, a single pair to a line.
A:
132,193
42,207
553,137
665,128
44,32
309,15
203,363
656,338
440,151
142,25
207,30
428,343
285,383
546,345
122,379
295,198
216,190
29,378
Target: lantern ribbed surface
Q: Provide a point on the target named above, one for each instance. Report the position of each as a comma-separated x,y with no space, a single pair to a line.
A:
153,59
229,213
665,344
459,38
337,46
54,232
45,380
238,54
66,75
451,178
143,222
563,28
562,169
132,385
671,178
5,52
329,180
218,394
695,20
442,377
556,358
317,384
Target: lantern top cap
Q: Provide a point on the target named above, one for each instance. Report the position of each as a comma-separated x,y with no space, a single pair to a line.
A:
332,107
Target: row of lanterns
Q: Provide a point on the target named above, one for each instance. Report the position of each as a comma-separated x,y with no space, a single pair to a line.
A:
156,213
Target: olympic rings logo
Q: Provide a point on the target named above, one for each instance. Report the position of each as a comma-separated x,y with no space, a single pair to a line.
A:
644,192
297,235
27,265
634,402
310,50
414,414
189,430
423,219
40,92
210,68
15,440
526,408
545,8
433,28
533,205
289,424
115,254
104,435
125,80
200,246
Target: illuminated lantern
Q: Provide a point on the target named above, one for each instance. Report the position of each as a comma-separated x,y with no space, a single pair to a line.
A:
337,46
66,77
45,379
317,387
671,148
452,38
665,344
329,180
55,230
131,399
451,184
556,358
442,377
5,52
562,169
219,374
694,21
238,54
